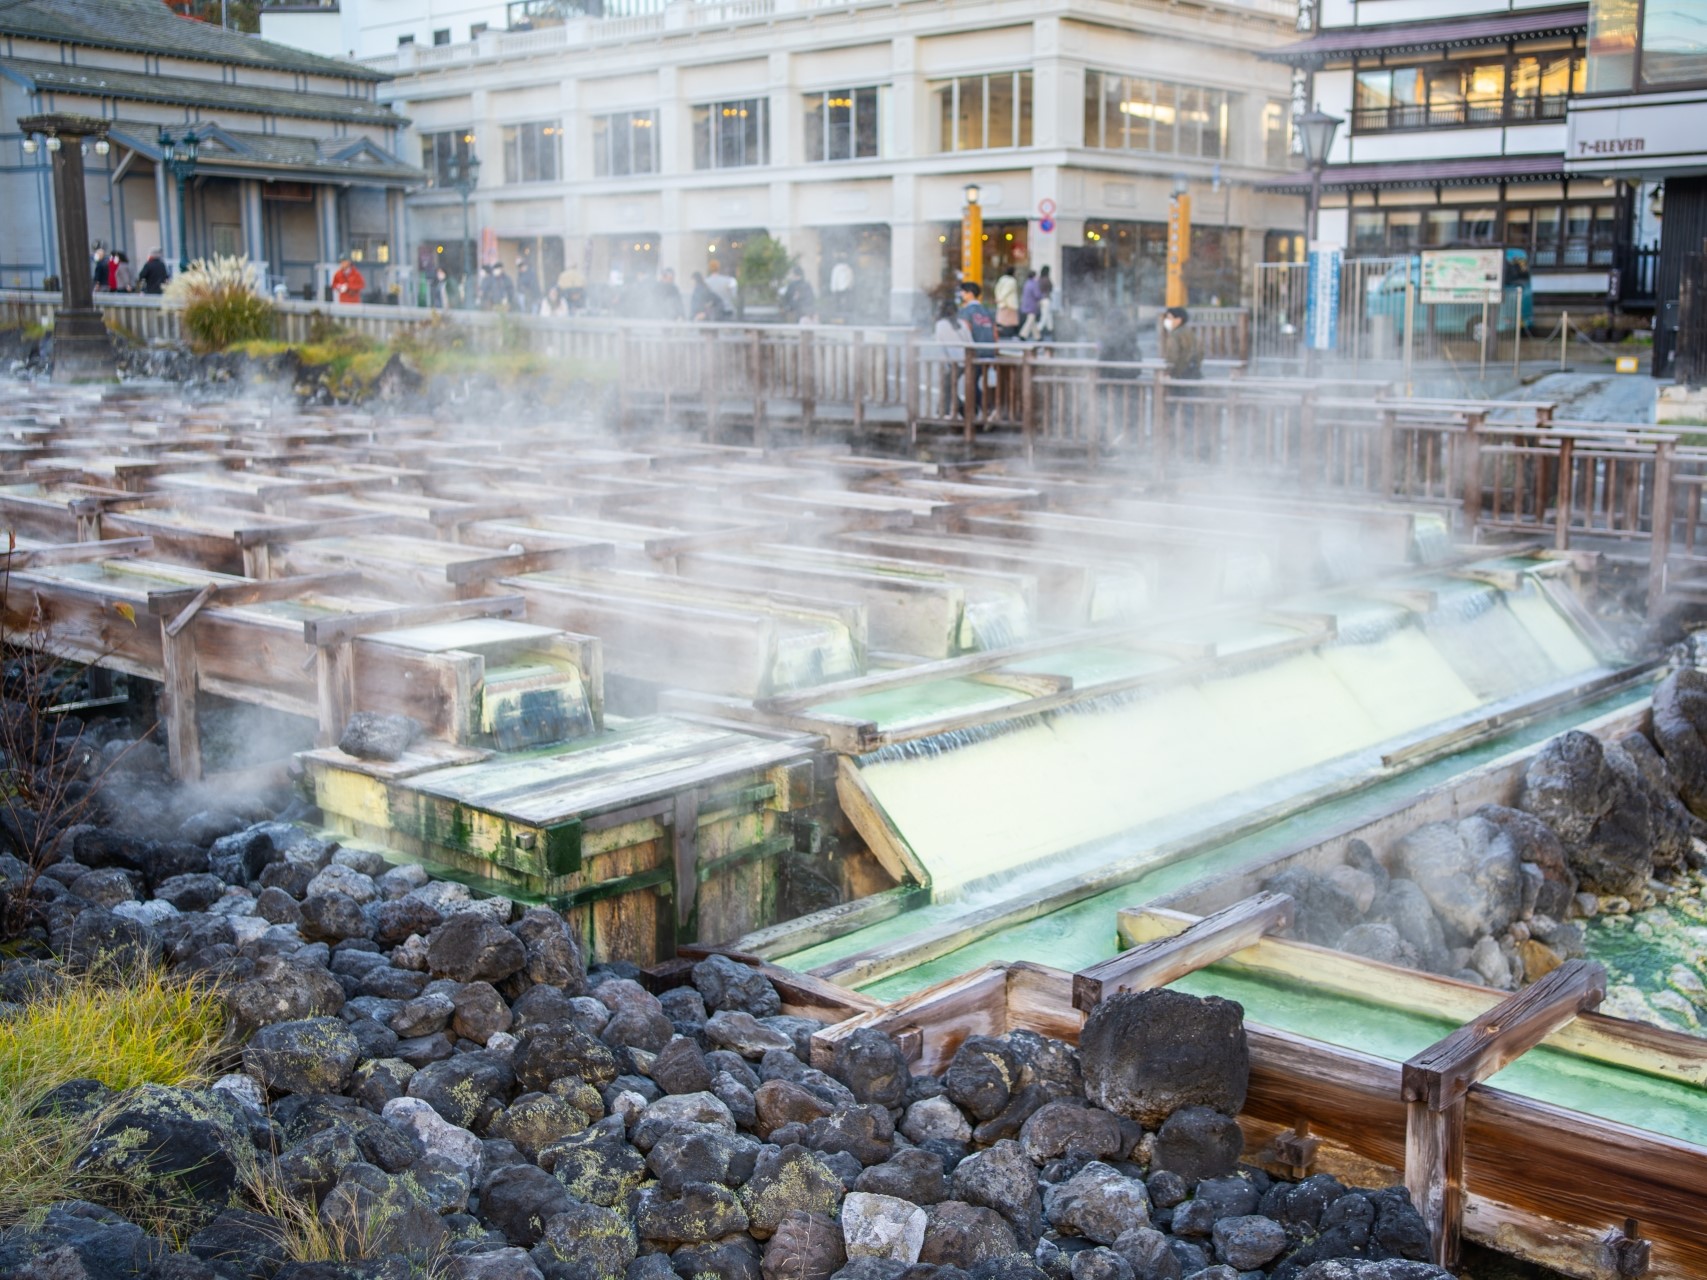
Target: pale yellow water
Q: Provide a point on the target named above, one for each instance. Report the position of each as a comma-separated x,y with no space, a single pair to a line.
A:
989,807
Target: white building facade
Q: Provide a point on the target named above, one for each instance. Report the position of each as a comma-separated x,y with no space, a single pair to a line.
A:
615,147
1453,135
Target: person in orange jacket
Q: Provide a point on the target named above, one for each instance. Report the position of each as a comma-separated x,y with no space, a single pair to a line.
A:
348,283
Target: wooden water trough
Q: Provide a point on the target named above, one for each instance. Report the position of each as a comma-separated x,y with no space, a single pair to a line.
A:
1589,1197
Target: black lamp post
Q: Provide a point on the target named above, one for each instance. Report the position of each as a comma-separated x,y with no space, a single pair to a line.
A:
1316,130
463,175
179,157
82,348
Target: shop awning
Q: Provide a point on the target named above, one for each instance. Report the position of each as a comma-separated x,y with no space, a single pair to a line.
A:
1472,172
1424,37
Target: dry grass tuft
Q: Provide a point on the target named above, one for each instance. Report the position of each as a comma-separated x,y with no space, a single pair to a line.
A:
123,1029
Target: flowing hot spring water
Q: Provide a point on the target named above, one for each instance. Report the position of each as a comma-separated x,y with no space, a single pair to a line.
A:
980,806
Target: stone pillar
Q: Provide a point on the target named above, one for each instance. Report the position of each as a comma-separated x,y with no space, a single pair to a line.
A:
82,348
253,224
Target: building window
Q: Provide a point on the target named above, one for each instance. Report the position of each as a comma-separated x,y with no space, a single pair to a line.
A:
532,151
439,150
1577,234
1674,43
625,143
441,36
1480,92
1572,234
841,124
1277,133
478,29
1131,113
978,113
1612,45
731,135
403,40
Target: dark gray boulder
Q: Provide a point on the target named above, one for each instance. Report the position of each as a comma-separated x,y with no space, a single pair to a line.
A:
1592,799
1680,731
729,984
1469,871
369,735
1198,1143
804,1246
313,1055
983,1074
1146,1054
471,947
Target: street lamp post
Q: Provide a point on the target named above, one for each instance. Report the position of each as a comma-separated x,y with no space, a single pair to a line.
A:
82,348
464,177
972,236
179,156
1316,131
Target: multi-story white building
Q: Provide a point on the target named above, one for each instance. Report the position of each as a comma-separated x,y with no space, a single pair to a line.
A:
1453,135
366,28
1640,116
620,145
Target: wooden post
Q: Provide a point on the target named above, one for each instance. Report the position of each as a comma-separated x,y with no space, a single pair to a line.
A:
1659,549
624,374
1027,399
335,678
910,370
1311,455
968,392
1389,442
708,381
178,691
1470,474
756,362
858,381
684,837
808,383
1435,1083
1562,504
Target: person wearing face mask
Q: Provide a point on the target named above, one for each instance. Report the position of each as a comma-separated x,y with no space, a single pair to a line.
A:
1180,346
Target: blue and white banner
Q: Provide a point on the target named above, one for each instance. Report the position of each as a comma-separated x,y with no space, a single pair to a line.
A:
1322,301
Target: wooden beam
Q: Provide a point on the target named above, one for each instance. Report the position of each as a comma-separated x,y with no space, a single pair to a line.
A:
1493,1040
240,593
887,845
346,627
1159,962
74,553
462,572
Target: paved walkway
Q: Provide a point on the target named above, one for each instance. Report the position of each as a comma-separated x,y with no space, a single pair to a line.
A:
1600,396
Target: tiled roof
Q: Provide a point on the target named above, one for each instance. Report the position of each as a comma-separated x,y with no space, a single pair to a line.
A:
136,86
1425,173
1420,37
149,26
282,156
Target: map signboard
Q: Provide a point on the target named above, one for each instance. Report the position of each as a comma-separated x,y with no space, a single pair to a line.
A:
1462,275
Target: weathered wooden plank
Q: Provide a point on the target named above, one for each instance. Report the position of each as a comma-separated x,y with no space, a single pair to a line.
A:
346,627
1160,961
1493,1040
887,844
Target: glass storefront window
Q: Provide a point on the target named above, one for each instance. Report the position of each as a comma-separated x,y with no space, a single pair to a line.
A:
1131,113
1674,42
1368,231
625,143
979,112
841,125
1612,45
731,135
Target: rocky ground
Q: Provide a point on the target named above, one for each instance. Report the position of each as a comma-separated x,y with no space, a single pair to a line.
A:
1503,896
438,1082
